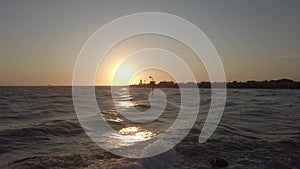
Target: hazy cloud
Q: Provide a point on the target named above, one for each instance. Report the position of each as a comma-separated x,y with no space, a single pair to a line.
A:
289,56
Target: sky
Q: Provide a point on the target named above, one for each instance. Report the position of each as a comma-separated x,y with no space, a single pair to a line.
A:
40,40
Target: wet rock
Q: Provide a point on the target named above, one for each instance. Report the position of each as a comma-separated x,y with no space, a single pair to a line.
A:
218,162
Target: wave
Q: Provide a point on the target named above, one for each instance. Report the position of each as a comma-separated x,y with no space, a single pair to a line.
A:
14,138
39,129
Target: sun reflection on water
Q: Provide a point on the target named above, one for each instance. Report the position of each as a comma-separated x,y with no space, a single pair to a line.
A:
128,135
134,134
126,104
116,119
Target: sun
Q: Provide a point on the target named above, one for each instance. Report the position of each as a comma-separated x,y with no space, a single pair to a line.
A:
123,75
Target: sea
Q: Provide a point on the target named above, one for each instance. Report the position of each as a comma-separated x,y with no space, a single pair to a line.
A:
39,129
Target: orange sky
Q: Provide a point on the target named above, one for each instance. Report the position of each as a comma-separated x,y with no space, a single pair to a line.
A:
41,40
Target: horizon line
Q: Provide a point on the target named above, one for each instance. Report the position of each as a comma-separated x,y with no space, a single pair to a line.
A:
105,85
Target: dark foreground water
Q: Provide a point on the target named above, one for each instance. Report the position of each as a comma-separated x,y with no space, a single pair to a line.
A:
39,129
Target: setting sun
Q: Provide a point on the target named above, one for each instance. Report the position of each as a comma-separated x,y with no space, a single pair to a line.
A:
122,75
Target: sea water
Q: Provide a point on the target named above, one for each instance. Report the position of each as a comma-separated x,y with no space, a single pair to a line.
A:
260,128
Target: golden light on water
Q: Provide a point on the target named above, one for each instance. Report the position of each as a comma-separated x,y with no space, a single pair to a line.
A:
134,134
125,104
116,119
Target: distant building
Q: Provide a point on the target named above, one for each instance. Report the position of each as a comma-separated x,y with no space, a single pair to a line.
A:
283,81
167,84
152,82
252,84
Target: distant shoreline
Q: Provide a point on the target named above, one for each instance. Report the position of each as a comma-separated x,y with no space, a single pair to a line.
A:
266,84
272,84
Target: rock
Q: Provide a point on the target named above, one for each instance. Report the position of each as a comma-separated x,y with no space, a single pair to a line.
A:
218,162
